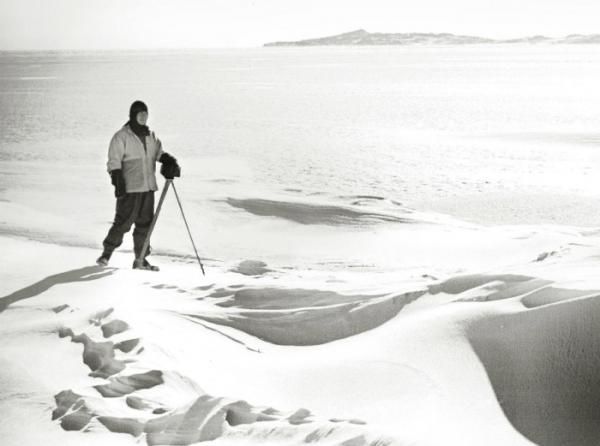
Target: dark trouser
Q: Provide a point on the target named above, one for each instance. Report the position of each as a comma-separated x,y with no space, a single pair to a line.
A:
138,208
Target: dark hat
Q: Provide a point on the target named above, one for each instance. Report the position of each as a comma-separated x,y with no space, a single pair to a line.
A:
136,107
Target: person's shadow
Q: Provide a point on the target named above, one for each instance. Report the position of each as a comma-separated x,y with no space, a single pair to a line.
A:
75,275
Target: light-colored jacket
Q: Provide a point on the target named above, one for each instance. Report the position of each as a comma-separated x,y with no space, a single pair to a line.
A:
126,152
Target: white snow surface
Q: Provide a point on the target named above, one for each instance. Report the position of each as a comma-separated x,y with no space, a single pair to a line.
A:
350,205
504,351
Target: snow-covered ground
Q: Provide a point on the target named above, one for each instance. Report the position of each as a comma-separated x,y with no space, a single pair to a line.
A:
506,353
393,238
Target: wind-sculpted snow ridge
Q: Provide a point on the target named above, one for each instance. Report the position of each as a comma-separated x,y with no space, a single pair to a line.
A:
295,356
303,316
315,214
134,404
543,361
543,364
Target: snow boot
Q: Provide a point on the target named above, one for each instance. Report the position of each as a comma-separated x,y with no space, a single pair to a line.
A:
145,266
102,260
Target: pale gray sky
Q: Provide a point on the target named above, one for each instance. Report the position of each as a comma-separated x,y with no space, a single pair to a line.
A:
92,24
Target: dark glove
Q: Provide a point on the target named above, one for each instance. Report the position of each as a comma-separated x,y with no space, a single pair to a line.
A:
118,180
170,171
167,158
170,168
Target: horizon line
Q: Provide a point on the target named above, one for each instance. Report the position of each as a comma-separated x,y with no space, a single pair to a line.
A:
263,44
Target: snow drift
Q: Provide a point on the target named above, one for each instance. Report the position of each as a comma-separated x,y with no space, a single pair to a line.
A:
91,355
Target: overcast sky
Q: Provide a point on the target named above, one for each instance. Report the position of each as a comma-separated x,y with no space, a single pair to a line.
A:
92,24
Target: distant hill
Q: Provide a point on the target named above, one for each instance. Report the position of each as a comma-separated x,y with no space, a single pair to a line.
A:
362,37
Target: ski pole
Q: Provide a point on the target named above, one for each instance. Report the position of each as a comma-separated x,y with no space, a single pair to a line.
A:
140,260
188,230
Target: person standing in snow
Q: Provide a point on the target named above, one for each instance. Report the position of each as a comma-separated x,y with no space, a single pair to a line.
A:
132,156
